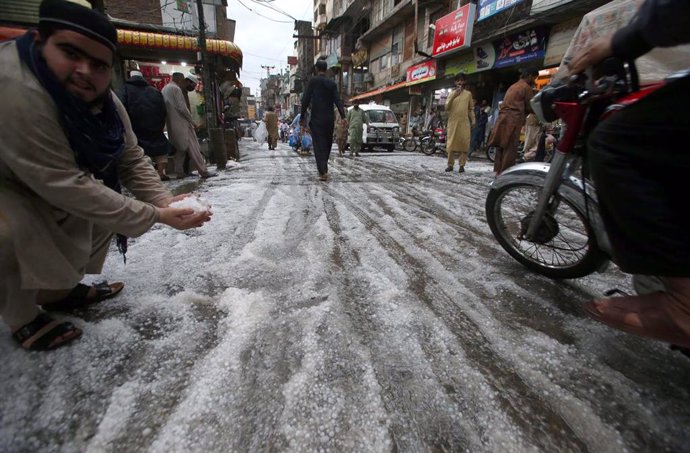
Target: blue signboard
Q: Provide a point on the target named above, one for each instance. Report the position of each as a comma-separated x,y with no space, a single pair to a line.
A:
490,7
520,47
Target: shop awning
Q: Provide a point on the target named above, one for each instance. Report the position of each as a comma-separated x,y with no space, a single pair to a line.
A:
163,41
167,41
378,91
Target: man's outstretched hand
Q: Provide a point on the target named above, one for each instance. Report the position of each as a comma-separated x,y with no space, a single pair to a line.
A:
183,218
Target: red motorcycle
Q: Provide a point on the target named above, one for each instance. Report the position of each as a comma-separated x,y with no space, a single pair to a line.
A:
546,216
434,141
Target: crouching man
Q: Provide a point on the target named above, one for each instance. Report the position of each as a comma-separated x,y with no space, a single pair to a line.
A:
66,149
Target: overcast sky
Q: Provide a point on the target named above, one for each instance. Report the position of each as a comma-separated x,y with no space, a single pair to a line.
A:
264,41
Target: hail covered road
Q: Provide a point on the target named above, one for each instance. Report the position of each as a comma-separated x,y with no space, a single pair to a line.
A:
372,313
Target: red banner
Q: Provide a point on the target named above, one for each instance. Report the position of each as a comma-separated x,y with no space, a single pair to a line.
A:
454,31
421,72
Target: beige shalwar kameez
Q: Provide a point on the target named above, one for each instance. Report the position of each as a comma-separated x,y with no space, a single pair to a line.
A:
56,220
181,132
460,108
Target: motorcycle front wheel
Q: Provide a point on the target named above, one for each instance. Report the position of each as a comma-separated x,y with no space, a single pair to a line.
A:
563,247
491,153
410,144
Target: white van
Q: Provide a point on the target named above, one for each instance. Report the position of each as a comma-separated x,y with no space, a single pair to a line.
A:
383,129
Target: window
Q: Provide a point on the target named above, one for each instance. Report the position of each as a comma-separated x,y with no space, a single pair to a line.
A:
381,116
322,8
383,61
432,20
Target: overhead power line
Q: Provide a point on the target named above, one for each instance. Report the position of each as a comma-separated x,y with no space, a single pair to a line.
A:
265,17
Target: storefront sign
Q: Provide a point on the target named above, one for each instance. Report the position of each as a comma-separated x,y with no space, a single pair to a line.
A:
465,64
359,57
422,72
454,31
520,47
540,6
559,40
490,7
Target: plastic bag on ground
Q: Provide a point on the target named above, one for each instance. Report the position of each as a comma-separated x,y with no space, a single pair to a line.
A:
306,142
261,133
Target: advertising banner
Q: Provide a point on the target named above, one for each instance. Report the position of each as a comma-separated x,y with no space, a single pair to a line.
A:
464,63
540,6
520,47
422,72
454,31
488,8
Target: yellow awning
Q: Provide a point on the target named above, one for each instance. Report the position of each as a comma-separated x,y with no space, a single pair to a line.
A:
167,41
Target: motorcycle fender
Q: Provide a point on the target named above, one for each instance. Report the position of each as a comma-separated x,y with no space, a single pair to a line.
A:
534,173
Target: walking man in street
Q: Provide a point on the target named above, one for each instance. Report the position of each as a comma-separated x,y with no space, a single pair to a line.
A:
271,121
321,95
181,127
66,149
505,135
146,109
481,115
460,108
356,118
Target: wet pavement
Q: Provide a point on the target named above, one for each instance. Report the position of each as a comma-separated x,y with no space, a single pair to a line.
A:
371,313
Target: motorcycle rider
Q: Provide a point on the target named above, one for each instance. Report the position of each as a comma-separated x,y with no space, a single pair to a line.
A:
640,163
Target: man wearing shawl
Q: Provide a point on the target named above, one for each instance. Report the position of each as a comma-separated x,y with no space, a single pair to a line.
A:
66,149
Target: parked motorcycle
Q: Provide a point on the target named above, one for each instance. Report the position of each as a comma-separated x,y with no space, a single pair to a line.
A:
407,144
433,141
546,216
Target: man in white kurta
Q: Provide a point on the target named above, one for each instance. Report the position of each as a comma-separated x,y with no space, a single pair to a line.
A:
56,218
180,125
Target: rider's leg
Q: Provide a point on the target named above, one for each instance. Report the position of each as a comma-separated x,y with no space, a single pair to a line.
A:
640,167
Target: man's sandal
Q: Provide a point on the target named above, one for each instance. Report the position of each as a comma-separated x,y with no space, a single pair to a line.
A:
44,332
79,296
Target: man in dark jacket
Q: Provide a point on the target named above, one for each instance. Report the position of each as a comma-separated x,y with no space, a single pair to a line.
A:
640,164
321,95
146,109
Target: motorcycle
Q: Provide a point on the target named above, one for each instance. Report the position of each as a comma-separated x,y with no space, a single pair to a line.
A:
433,141
546,216
407,144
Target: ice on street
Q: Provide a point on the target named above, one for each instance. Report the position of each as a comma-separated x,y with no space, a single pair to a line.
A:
372,313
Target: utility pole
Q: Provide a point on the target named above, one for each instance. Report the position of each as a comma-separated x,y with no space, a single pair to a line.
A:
206,72
268,70
216,140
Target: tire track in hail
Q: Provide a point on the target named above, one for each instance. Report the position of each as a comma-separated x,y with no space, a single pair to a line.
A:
521,403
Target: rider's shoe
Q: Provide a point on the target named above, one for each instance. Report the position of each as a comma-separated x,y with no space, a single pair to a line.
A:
663,315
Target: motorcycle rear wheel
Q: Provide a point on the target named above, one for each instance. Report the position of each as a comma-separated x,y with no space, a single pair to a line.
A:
565,246
428,147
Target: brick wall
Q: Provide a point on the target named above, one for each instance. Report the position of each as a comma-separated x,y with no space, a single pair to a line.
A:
141,11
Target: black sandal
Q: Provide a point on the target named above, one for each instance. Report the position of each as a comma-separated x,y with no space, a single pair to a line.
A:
79,296
41,333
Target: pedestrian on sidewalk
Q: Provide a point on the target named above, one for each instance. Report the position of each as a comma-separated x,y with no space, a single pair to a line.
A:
481,115
181,127
533,131
356,119
505,135
67,149
146,109
340,135
321,95
460,108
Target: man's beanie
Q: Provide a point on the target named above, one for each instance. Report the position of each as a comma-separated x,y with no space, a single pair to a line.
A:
74,15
